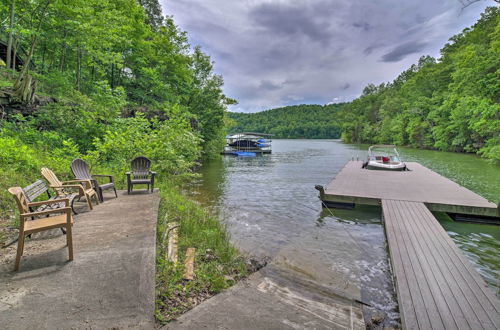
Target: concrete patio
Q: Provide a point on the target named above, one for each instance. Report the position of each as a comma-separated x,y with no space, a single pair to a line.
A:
110,283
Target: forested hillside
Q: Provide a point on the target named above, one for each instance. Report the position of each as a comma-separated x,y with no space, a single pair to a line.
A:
107,81
103,60
299,121
450,103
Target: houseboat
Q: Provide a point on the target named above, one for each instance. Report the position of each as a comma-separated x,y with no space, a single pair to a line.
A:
246,143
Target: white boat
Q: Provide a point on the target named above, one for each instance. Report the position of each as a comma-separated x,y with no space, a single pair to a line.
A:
384,157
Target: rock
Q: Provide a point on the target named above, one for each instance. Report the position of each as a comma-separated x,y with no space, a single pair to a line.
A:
378,318
254,264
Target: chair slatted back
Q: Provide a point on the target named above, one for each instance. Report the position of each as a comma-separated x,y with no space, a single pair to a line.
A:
80,169
140,167
36,189
53,180
21,200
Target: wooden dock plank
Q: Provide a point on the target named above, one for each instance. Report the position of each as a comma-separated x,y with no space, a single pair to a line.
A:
460,275
431,268
413,315
434,303
420,184
450,310
476,290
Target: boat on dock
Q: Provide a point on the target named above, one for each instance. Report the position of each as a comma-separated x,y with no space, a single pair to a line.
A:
384,157
241,144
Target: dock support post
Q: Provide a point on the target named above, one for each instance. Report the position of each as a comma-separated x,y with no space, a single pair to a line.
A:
321,191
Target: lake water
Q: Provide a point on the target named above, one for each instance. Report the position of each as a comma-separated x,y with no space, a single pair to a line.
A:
271,208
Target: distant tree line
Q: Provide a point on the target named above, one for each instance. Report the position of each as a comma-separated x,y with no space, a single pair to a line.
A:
292,122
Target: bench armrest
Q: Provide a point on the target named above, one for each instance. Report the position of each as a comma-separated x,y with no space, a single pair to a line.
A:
51,201
66,210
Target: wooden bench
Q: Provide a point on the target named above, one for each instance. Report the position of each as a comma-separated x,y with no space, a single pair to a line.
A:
39,187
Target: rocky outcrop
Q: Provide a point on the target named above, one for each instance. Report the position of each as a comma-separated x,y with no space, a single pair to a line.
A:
9,104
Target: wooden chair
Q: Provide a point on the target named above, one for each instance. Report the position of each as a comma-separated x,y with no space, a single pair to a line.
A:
30,223
64,188
81,171
140,174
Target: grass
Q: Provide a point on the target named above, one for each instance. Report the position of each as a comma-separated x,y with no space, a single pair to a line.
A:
218,264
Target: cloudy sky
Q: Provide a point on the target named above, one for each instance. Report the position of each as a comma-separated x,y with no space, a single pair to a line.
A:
274,53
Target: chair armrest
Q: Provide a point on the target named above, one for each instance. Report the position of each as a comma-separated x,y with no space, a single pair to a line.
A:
128,173
52,201
87,182
77,186
104,176
66,210
152,172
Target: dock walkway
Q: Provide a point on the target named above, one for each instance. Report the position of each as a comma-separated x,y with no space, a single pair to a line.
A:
109,284
437,287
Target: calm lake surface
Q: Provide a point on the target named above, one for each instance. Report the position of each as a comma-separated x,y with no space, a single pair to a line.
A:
271,208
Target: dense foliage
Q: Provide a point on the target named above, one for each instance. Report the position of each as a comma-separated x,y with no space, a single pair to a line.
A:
298,121
451,103
106,81
120,56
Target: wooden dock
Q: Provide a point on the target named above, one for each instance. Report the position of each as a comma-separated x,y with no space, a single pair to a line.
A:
360,186
437,287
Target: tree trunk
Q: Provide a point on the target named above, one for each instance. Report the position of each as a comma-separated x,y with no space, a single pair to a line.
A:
78,66
26,65
25,86
14,58
63,52
11,33
112,75
43,58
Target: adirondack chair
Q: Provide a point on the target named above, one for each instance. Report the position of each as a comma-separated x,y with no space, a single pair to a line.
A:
81,171
33,222
80,188
140,174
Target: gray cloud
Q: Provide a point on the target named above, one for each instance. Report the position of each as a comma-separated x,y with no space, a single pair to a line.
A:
365,26
274,52
291,21
269,85
401,51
